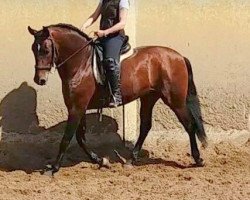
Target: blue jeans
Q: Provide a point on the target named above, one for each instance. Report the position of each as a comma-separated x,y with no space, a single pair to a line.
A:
111,58
112,47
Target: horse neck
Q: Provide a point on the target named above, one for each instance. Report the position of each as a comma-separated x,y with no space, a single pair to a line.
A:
67,46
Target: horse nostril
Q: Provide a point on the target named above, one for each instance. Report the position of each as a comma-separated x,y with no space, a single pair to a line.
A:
42,82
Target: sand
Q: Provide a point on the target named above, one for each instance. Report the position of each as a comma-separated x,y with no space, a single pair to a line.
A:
165,170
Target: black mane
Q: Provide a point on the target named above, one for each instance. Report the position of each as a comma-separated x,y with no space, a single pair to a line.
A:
71,27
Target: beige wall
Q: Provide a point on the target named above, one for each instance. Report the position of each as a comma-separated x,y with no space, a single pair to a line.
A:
214,36
17,61
26,107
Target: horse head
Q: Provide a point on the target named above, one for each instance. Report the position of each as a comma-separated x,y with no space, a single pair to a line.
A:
58,44
44,52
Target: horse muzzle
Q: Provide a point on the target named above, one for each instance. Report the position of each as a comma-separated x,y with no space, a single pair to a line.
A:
40,81
41,78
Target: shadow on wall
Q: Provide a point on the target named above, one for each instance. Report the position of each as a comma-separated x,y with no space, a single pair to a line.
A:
29,152
18,110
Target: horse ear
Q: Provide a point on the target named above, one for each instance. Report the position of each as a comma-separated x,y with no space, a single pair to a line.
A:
31,30
46,31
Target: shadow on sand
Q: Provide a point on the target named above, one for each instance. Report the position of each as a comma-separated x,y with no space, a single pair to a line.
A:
27,146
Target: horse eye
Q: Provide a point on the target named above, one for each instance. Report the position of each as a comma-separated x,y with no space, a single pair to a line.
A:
43,51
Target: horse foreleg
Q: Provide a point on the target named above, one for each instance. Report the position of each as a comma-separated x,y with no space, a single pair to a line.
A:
80,137
81,129
71,127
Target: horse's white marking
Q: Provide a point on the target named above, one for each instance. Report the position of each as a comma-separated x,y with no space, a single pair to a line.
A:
38,47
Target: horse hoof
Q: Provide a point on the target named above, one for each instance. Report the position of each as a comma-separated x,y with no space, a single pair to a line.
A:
105,163
200,163
48,173
128,165
50,170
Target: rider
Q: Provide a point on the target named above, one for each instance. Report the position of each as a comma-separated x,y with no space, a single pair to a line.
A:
113,19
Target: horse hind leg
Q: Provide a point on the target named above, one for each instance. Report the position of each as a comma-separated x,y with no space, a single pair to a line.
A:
147,104
189,124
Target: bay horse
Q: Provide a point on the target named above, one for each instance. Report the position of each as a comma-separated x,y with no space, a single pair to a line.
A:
151,73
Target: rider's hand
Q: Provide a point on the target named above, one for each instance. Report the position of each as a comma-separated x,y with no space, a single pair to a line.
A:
101,33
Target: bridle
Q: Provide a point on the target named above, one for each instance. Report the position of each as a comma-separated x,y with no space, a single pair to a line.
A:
53,58
55,55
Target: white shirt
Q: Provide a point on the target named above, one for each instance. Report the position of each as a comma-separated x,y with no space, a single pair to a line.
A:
123,4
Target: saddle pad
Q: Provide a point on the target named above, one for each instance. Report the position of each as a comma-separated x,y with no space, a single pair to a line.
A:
96,70
99,72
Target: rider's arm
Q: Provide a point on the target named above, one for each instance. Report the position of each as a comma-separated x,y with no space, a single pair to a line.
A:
92,17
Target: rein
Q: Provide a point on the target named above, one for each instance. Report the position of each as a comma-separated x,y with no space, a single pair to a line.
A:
48,68
75,53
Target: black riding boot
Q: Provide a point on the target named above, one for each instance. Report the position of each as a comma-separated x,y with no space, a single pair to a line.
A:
113,75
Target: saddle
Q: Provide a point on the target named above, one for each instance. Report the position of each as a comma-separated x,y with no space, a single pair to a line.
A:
99,71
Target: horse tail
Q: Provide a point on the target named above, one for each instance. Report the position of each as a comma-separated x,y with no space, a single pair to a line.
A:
193,105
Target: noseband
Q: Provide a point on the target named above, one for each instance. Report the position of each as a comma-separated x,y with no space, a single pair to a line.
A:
55,55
